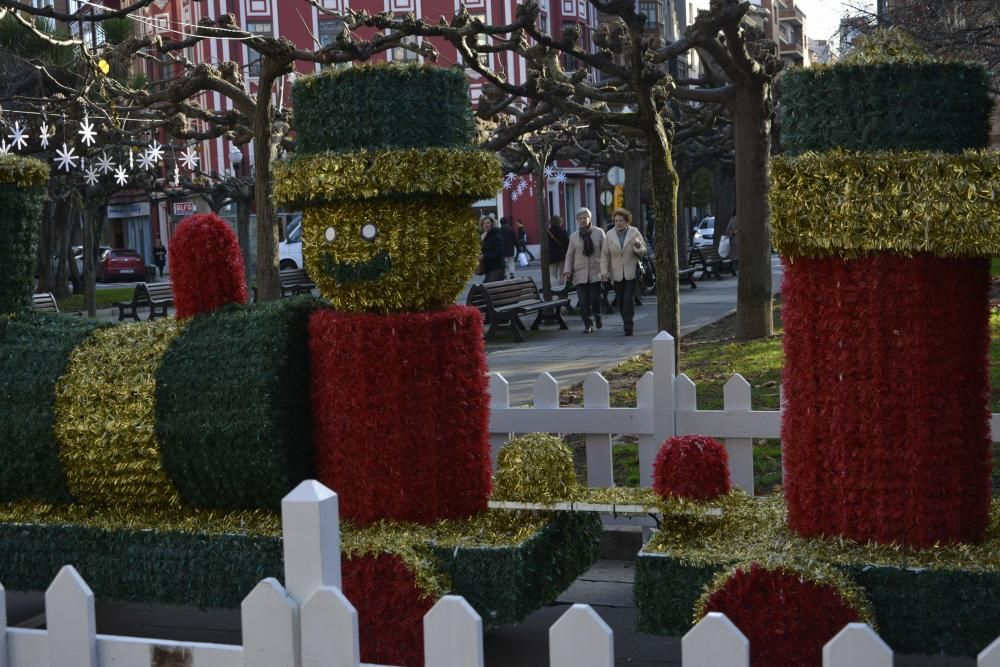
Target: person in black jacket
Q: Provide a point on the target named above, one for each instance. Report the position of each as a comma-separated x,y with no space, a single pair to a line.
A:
492,249
558,242
509,245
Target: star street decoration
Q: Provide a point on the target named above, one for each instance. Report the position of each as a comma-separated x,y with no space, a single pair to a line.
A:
549,172
17,136
155,150
87,131
90,175
104,164
177,176
43,134
561,177
121,176
189,159
4,148
508,180
147,160
65,158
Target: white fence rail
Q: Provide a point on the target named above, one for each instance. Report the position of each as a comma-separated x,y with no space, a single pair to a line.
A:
666,405
311,623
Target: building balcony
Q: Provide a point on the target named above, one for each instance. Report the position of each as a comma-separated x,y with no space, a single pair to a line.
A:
792,15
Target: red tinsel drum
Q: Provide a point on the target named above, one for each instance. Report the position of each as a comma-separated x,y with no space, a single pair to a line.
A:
401,413
691,466
206,266
886,432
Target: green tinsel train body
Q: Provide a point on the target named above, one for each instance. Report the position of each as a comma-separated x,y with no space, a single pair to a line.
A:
22,195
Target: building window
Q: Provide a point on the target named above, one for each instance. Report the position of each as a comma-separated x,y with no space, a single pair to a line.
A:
328,31
652,12
401,55
543,22
263,29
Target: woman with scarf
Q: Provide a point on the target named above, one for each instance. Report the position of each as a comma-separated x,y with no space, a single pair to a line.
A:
583,267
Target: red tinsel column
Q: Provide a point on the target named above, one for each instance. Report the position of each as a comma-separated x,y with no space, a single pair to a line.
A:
886,431
402,433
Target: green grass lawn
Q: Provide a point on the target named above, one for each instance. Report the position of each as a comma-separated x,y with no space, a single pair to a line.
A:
710,360
104,297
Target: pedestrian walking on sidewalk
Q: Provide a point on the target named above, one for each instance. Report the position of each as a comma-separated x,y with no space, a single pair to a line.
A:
583,267
492,249
159,256
509,245
619,261
558,243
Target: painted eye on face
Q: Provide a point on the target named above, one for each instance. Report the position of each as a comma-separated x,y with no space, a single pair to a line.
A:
330,234
369,232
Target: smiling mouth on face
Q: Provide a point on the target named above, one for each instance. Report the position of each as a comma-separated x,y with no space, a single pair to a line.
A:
349,273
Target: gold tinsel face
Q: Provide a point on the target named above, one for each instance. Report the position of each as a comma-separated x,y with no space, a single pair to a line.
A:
385,255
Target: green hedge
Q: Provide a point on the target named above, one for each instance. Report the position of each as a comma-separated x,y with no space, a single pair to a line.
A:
388,106
34,353
505,584
929,106
233,415
19,224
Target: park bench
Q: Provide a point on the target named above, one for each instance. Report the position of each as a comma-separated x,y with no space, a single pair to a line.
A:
292,282
44,302
503,302
710,262
158,296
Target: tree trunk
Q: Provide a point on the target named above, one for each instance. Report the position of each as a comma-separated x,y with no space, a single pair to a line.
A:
664,177
243,233
724,186
46,280
683,228
265,151
541,210
90,213
752,142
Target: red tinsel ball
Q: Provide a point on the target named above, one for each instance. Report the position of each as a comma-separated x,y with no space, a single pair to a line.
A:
786,617
206,266
691,466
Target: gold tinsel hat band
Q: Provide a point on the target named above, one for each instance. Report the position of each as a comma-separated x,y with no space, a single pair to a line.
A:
849,204
326,177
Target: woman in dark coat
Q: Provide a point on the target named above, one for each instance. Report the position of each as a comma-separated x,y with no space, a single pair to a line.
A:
558,242
492,250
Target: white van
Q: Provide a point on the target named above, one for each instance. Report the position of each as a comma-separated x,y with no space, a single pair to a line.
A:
290,250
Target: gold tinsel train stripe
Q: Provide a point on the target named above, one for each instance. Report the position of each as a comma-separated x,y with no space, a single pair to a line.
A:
372,174
106,415
849,204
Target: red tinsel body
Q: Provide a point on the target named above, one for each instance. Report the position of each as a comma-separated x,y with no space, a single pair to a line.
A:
787,619
390,609
691,466
886,432
206,266
400,413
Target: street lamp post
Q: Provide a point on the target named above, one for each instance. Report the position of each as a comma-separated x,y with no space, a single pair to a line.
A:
242,211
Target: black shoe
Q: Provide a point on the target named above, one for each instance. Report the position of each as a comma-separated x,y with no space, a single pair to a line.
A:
588,330
628,332
599,323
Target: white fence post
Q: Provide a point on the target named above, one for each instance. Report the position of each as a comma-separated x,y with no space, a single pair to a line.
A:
453,634
71,620
648,446
857,646
330,630
499,399
715,642
270,620
545,391
310,528
664,370
581,638
3,627
736,398
596,394
990,656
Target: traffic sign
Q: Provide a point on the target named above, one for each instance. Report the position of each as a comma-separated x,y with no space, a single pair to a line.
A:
616,176
606,197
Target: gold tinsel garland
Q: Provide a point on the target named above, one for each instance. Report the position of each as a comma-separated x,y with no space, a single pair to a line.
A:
537,468
324,177
22,171
105,416
849,204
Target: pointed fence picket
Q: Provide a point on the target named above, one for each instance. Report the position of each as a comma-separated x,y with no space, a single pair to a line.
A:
666,404
280,630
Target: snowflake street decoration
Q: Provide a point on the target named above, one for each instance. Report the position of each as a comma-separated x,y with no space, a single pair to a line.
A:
88,132
155,150
131,159
561,177
121,176
189,159
17,136
146,160
549,172
90,175
65,158
43,134
508,180
515,195
104,164
4,148
521,187
177,176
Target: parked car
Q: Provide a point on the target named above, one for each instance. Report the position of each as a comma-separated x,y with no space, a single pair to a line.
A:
78,256
117,263
290,250
704,232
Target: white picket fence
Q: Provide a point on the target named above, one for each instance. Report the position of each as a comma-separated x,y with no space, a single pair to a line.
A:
666,405
309,623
